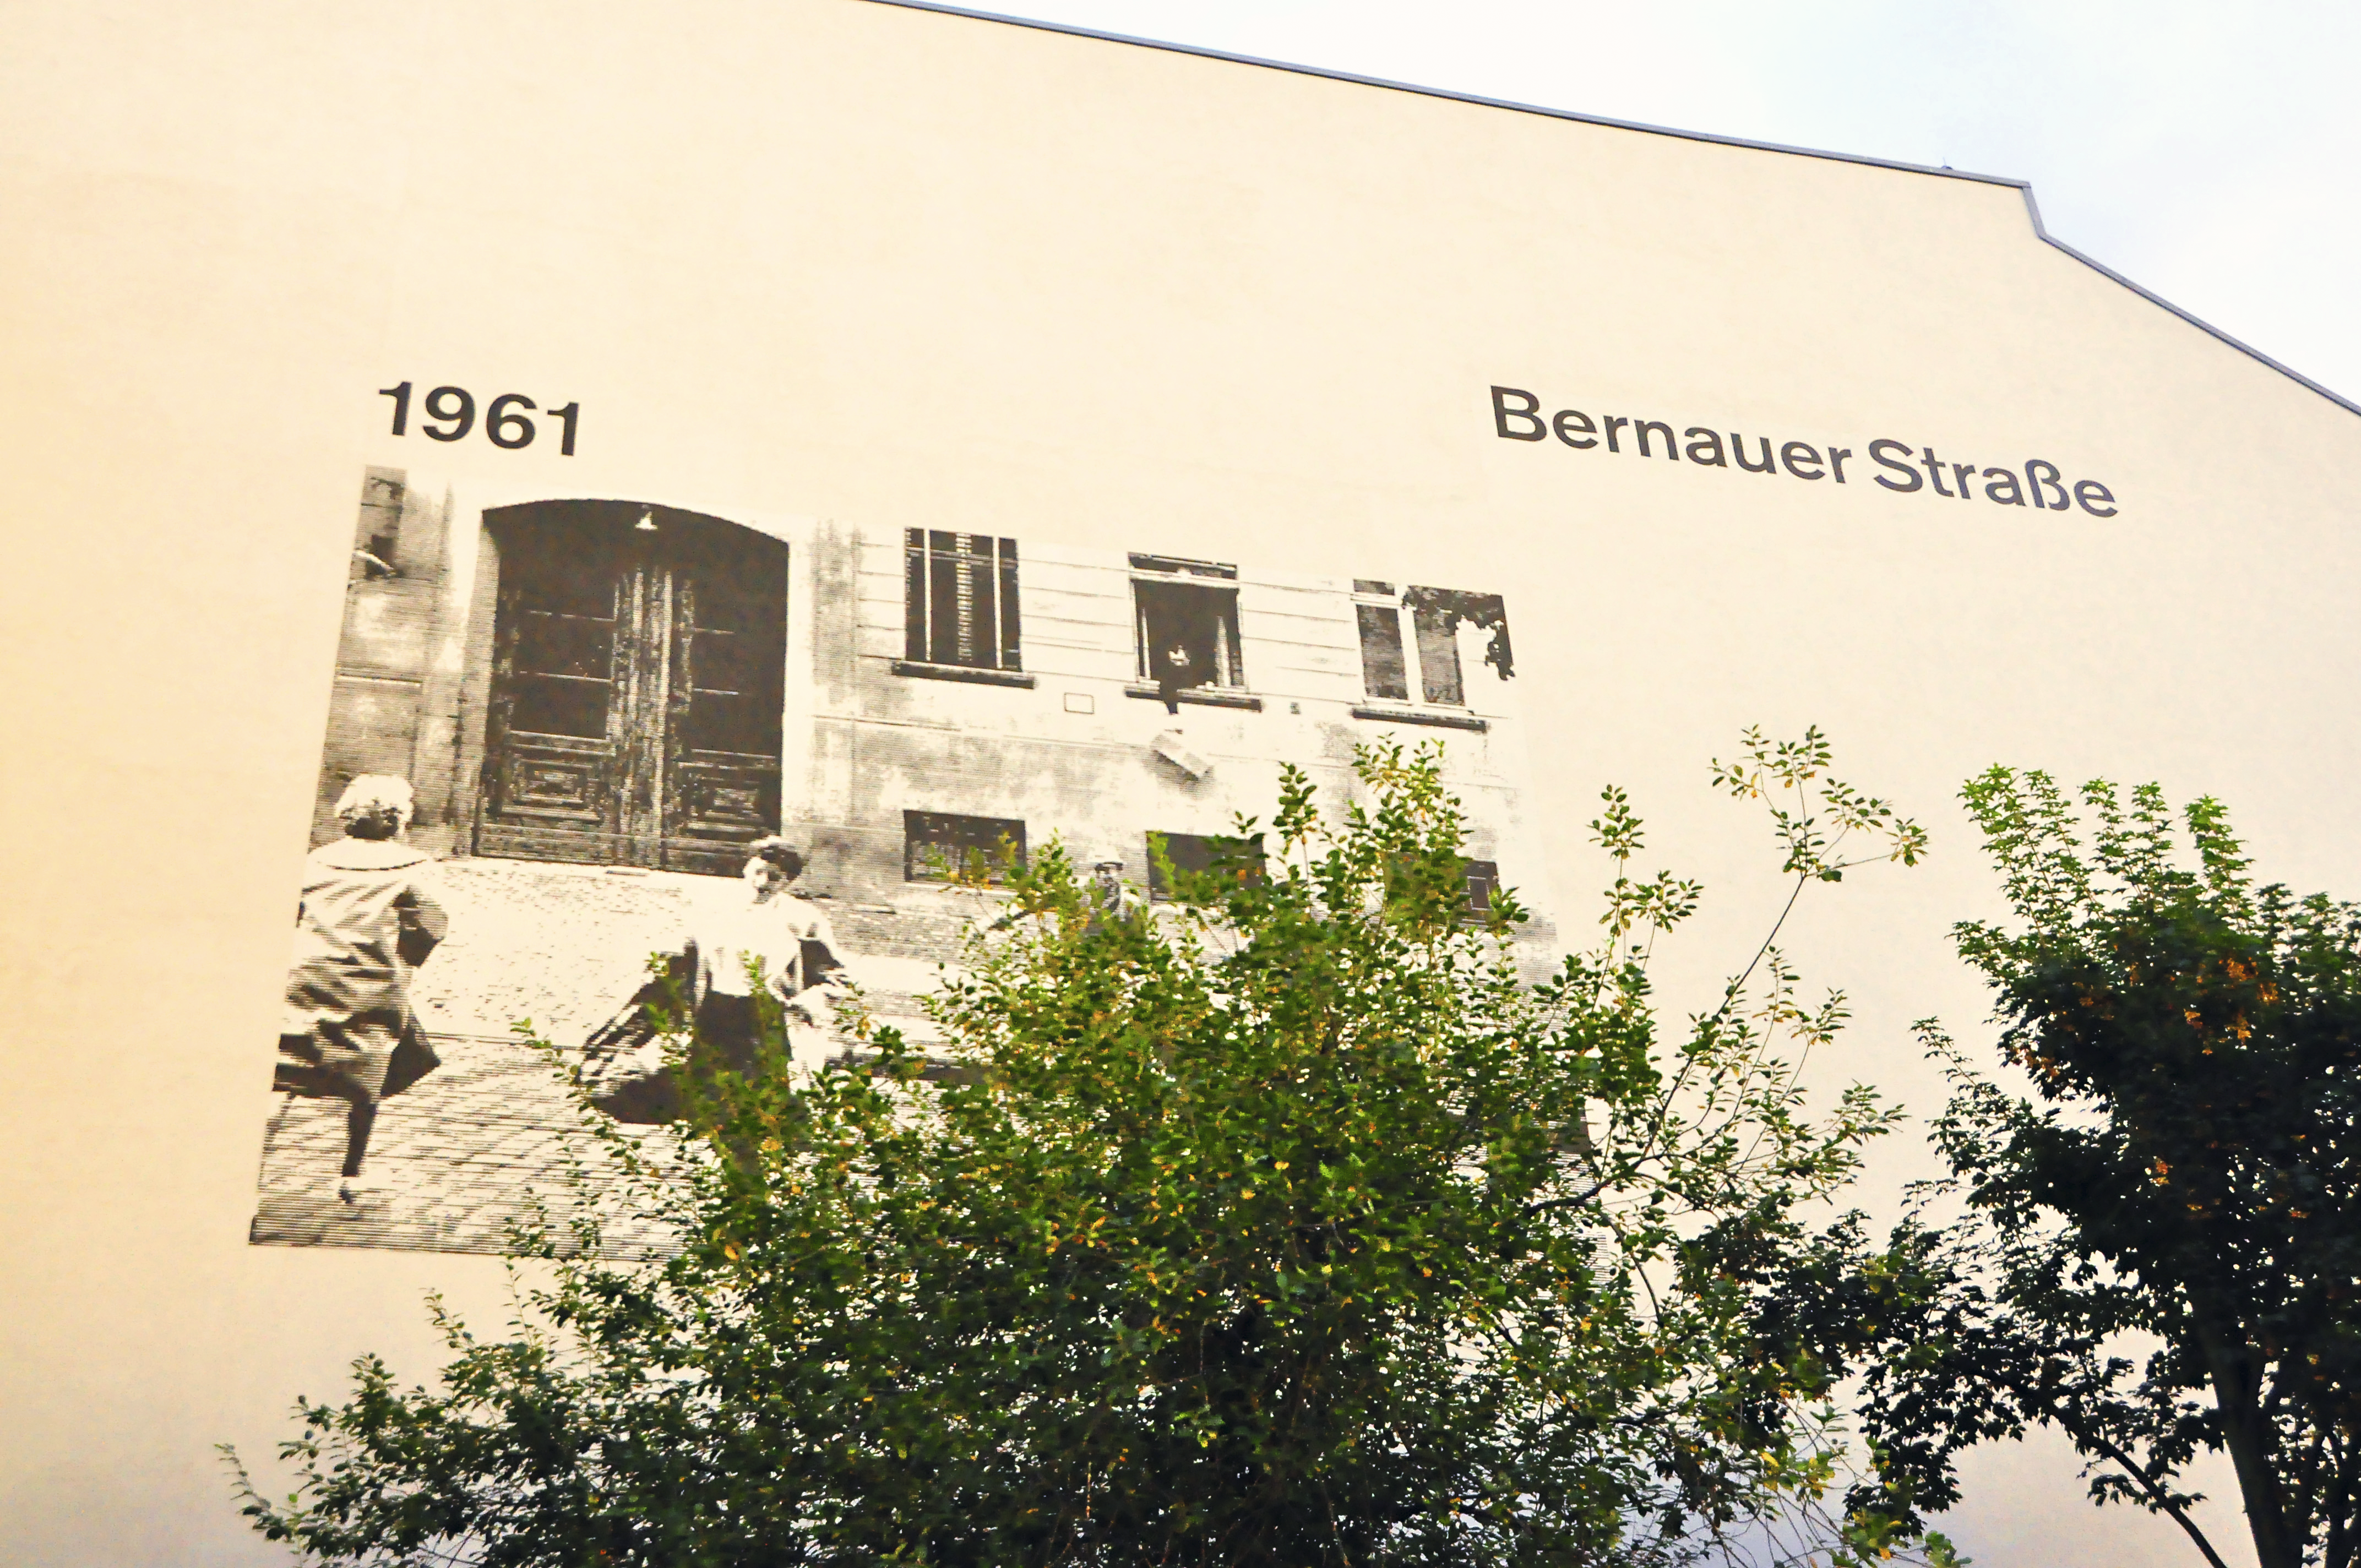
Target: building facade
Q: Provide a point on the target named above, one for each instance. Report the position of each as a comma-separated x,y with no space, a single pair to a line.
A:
1037,435
600,702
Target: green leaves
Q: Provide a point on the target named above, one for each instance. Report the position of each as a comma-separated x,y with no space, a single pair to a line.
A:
1825,812
2184,1170
1286,1223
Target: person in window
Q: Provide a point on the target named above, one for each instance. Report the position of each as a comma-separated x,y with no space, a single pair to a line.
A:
761,939
367,918
1176,672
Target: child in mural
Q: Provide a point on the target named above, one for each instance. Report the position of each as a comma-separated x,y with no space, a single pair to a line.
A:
367,918
764,941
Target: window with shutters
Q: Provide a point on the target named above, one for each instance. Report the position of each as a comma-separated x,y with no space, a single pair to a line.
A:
962,602
939,845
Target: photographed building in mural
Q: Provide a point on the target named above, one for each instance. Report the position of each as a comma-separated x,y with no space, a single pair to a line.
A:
599,705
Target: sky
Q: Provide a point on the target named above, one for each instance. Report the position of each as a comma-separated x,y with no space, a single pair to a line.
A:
2197,149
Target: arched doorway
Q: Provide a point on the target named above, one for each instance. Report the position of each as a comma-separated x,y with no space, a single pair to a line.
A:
638,675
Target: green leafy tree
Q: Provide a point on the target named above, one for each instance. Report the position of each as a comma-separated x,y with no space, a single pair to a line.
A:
2164,1233
1289,1226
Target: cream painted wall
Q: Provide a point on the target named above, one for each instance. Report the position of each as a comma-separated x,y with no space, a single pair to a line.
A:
837,259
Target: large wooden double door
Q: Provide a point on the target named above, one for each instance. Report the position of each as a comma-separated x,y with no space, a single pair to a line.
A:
638,669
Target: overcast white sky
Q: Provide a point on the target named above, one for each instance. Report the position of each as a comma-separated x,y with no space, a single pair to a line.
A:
2197,149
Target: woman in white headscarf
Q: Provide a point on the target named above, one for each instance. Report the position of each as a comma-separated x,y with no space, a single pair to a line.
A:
367,918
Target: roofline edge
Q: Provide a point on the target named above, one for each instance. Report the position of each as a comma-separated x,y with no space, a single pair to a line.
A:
2033,210
2024,187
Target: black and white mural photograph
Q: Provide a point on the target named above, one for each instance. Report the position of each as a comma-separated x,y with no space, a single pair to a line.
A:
587,754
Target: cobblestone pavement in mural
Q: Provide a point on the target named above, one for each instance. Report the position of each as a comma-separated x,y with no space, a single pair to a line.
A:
465,1155
453,1165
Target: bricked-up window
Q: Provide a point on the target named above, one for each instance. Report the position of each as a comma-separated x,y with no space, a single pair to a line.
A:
1187,620
937,846
961,599
1409,640
1200,852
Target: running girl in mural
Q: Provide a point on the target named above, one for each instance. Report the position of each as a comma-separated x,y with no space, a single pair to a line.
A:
367,918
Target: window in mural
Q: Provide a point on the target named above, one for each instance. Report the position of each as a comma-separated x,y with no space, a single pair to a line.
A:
1200,852
1482,876
1186,614
1411,648
961,599
937,846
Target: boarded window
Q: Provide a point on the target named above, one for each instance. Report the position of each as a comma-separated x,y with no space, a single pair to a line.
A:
1186,615
961,599
937,846
1200,852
